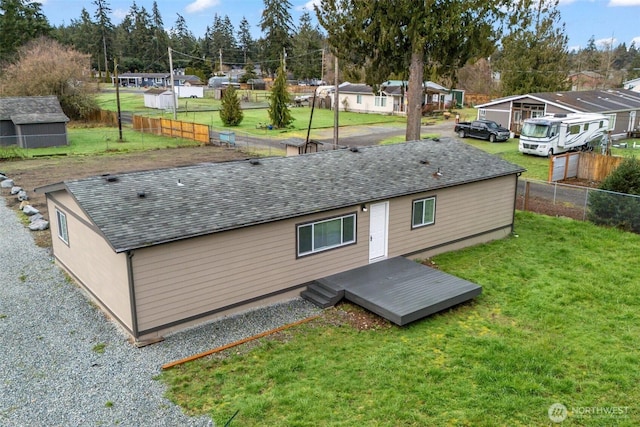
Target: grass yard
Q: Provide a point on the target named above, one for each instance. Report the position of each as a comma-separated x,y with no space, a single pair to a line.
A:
558,322
97,140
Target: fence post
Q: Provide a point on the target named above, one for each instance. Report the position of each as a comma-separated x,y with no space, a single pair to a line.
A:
527,185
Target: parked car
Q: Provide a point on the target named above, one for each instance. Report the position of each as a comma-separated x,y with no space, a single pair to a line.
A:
483,129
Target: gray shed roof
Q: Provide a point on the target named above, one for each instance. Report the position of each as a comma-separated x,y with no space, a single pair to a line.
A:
38,109
184,202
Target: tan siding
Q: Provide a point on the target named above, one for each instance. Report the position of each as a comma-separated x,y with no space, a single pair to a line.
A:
194,276
191,277
63,198
461,212
91,260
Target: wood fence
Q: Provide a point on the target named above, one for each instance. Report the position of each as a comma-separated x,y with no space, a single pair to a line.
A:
109,118
588,166
172,128
596,167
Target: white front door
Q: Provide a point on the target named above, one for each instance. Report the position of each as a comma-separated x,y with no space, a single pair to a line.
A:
378,230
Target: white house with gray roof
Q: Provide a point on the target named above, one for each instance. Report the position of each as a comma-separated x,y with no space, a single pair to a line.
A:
163,249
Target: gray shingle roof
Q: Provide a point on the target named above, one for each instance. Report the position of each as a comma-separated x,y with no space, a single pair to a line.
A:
208,198
26,107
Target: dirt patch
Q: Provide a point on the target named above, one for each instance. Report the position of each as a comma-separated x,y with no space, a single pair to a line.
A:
547,207
33,173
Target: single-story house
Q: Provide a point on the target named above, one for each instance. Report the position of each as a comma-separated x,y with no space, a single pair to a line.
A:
159,98
622,106
164,249
390,99
32,122
155,79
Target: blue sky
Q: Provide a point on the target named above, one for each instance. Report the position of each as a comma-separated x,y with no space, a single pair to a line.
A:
604,20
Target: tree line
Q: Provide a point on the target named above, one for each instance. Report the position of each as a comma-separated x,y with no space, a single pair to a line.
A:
457,43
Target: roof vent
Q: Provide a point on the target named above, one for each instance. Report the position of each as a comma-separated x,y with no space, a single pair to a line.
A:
142,194
254,162
424,162
437,174
354,149
435,139
110,178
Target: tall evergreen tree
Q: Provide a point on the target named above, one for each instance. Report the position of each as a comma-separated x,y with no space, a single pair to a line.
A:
231,113
534,55
307,50
245,41
106,29
20,22
392,37
277,26
182,40
278,111
159,42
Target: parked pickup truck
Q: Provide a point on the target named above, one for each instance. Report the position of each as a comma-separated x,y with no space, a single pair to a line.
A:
483,129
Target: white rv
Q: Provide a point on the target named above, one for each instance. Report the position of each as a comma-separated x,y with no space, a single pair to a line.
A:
555,134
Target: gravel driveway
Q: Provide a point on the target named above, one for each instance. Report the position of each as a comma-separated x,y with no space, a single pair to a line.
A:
52,373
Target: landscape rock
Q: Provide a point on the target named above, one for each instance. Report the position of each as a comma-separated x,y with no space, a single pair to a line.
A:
2,176
15,190
33,218
30,210
40,224
23,204
6,183
22,195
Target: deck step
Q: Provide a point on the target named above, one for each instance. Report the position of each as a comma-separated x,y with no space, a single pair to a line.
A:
321,295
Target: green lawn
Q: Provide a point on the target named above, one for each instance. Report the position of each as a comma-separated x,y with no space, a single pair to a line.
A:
95,140
558,321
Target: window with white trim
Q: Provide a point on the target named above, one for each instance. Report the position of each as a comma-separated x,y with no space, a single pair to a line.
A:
358,99
424,212
482,113
326,234
63,232
380,101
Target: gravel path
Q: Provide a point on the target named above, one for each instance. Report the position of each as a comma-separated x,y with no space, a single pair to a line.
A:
50,371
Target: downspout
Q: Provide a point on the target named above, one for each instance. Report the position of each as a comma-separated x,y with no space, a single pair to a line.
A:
132,296
515,203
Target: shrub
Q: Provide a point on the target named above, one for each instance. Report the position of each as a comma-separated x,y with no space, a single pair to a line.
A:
618,210
231,114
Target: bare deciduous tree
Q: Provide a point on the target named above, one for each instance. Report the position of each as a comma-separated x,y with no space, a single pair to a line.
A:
45,67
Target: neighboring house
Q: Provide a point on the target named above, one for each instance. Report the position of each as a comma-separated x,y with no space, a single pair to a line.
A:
586,80
155,80
159,98
621,106
143,79
389,99
32,122
164,249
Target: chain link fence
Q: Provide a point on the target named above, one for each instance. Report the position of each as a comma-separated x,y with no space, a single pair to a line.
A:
582,203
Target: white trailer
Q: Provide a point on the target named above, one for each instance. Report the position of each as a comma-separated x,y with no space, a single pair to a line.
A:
559,133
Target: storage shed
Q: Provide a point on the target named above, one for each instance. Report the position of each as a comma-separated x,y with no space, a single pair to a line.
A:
32,122
163,249
159,98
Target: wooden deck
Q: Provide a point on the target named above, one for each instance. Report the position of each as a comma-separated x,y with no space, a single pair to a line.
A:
398,289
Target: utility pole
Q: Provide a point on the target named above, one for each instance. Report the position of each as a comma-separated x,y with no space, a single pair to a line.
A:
284,59
220,55
322,67
115,70
173,87
336,103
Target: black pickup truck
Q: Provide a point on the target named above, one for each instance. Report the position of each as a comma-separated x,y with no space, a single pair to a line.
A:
483,129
